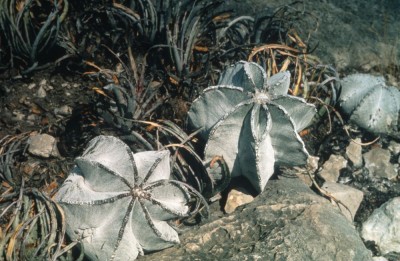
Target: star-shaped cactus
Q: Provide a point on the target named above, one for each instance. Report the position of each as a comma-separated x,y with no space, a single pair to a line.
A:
117,203
250,120
370,104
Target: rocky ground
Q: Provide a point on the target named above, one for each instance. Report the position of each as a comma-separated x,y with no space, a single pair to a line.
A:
290,220
356,36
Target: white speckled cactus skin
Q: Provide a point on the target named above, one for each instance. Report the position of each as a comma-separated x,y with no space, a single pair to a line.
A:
249,119
370,104
118,203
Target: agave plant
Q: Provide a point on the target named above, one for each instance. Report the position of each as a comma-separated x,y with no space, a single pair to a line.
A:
249,119
95,26
31,28
184,32
32,224
370,104
118,203
127,101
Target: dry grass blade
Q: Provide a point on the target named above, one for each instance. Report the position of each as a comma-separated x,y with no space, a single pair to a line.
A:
18,166
281,57
188,165
32,224
33,228
315,82
328,195
271,47
132,94
10,146
339,117
295,57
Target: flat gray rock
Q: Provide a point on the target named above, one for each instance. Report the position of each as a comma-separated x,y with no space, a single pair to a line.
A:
43,145
287,221
382,226
377,161
354,153
331,169
349,198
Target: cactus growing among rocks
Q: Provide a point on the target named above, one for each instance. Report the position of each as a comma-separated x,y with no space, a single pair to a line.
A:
249,119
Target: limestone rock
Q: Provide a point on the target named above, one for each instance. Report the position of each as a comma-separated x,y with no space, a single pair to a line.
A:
43,145
377,161
354,153
287,221
394,147
64,110
312,163
237,197
383,226
379,258
350,198
331,169
41,92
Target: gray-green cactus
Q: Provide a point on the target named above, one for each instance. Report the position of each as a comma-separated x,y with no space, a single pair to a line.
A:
117,203
249,119
370,104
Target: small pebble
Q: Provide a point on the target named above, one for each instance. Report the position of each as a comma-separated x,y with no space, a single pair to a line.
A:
41,92
394,147
43,145
64,110
43,82
331,169
236,198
